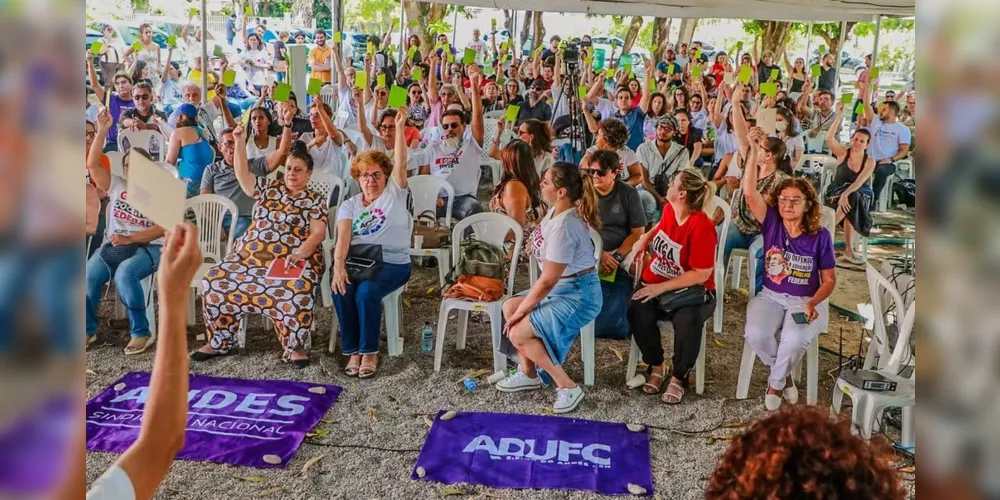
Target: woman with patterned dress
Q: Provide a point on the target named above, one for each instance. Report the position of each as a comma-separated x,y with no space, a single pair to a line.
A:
289,225
518,195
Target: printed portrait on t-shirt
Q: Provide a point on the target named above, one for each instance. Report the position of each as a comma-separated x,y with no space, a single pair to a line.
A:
781,265
666,256
369,222
775,265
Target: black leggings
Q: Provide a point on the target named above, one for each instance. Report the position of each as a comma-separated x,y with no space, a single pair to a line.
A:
688,324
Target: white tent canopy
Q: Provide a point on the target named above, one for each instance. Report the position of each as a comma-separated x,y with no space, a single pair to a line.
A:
780,10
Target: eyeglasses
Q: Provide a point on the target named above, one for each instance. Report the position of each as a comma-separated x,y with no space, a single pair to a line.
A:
594,172
386,127
229,144
91,133
790,200
416,92
523,132
141,97
451,125
370,176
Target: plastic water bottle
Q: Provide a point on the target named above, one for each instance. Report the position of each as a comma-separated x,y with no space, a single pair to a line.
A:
427,338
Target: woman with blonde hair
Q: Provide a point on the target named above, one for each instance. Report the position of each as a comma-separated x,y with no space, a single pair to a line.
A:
543,322
681,251
800,273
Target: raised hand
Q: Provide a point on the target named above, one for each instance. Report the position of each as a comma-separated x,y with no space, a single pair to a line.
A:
240,134
104,120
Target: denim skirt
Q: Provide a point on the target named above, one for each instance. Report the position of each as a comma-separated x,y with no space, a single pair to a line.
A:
569,306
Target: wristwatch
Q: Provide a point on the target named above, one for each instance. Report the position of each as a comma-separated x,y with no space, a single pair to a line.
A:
619,257
286,125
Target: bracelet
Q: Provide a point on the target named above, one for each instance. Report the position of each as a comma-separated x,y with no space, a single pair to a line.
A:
286,125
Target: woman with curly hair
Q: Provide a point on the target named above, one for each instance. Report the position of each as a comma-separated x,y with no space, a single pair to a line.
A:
799,274
804,454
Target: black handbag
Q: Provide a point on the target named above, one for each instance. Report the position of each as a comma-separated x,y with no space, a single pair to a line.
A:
695,295
364,262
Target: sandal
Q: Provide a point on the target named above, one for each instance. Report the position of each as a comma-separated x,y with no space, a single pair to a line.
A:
199,355
135,348
649,387
90,340
353,365
672,398
367,369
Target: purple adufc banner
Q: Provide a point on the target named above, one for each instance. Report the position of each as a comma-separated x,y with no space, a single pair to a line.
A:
528,451
256,423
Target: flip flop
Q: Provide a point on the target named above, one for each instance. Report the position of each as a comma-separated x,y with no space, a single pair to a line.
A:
146,345
653,388
672,399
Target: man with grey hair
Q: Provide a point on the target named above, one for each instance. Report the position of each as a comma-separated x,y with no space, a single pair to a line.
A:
208,112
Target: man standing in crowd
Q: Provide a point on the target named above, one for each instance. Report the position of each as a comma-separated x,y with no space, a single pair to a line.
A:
320,59
670,63
890,140
660,158
457,156
828,74
535,107
478,45
208,112
633,118
552,49
231,28
622,223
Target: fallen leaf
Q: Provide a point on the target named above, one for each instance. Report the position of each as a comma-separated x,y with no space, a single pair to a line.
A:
427,421
719,343
733,425
451,490
309,463
407,303
635,489
431,290
720,437
252,479
371,414
318,389
478,373
91,372
271,491
119,386
547,409
318,433
619,353
635,427
448,415
908,470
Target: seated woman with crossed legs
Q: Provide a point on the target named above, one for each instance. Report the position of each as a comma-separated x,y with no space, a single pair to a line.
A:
850,191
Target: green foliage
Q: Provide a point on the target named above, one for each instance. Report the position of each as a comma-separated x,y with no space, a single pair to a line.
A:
440,26
370,15
322,14
867,28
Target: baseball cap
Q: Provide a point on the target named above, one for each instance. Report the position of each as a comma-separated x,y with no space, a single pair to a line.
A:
669,121
187,110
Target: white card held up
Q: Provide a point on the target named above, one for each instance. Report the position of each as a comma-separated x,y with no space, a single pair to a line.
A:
766,118
269,80
155,192
729,78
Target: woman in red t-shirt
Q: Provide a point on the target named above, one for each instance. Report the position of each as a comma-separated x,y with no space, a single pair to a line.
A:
681,253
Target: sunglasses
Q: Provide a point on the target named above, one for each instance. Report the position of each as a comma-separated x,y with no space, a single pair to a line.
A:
594,172
142,97
451,126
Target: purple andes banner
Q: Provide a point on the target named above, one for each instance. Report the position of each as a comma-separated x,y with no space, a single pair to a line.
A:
529,451
256,423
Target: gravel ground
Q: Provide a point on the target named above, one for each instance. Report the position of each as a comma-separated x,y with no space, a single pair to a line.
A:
389,410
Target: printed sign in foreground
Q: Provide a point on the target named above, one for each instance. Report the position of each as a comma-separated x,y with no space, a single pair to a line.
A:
530,451
256,423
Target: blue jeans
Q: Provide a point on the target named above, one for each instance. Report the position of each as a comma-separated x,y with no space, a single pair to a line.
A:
736,239
38,276
359,311
242,224
464,206
612,321
281,76
128,277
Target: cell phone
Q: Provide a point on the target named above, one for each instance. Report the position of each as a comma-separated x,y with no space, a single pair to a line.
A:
800,318
360,262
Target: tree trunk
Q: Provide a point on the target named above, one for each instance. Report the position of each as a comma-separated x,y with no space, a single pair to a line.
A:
832,36
686,33
633,32
303,10
661,28
508,22
424,14
774,36
525,31
537,31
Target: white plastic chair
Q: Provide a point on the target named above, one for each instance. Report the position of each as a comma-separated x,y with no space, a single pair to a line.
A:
324,182
210,210
828,218
883,293
495,115
490,228
424,190
340,118
143,139
587,334
869,405
813,162
392,306
117,164
699,365
355,136
489,133
169,168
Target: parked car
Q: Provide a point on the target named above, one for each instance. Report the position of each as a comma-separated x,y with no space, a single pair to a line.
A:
847,62
176,28
126,34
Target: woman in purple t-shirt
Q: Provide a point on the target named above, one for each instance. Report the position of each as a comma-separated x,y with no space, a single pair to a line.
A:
799,274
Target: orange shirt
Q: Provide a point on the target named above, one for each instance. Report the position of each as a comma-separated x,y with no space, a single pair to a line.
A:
322,55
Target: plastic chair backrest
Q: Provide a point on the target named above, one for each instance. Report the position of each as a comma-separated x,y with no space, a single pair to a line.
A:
425,190
324,182
144,139
722,230
595,238
210,210
828,219
495,115
822,159
901,348
489,133
355,136
340,118
879,286
117,167
489,228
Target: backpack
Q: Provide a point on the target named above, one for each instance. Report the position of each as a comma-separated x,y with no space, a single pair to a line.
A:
905,192
662,178
478,258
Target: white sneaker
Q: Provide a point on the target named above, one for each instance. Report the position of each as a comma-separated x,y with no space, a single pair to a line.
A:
791,394
519,382
772,402
567,399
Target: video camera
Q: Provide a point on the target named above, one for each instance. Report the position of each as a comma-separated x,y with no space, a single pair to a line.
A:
571,54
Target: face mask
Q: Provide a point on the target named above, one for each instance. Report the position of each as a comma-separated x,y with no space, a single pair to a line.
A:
781,126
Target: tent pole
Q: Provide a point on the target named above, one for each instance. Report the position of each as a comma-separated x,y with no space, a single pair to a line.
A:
809,44
204,52
402,15
843,36
878,29
454,27
337,25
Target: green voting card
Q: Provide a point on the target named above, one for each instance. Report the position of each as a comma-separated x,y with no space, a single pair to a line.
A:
739,47
418,74
95,48
512,112
769,89
610,278
338,37
745,74
136,47
873,74
773,76
860,109
282,92
218,51
697,53
360,79
582,91
625,60
229,78
695,71
451,58
670,69
822,49
847,97
380,81
469,57
371,48
193,11
397,97
411,52
488,70
172,41
817,70
314,86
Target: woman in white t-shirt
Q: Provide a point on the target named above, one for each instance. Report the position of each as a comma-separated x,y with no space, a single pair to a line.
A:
377,216
257,62
130,253
261,143
543,322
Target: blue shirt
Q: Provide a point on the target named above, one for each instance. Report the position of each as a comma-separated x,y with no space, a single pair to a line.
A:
633,122
886,138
